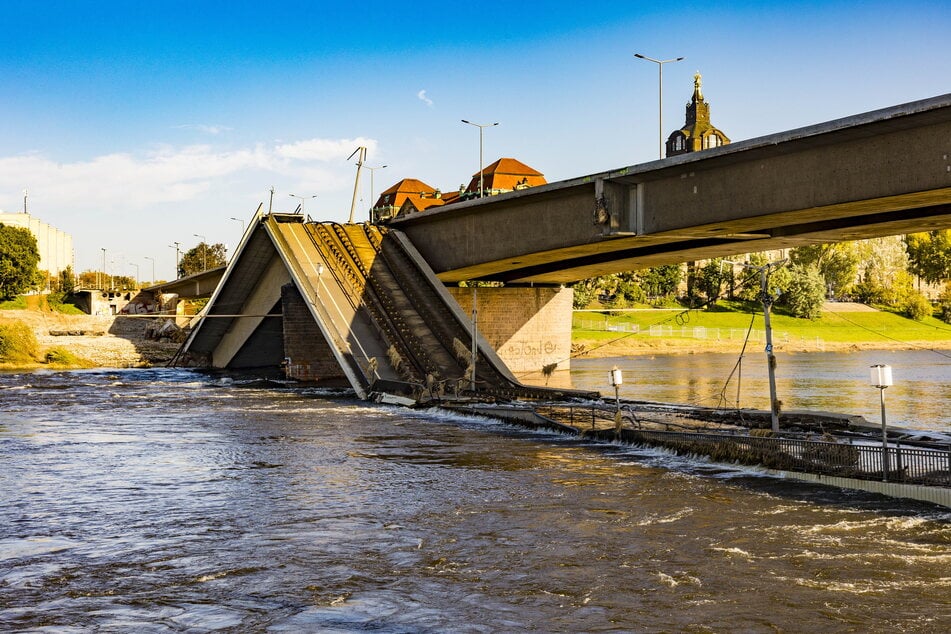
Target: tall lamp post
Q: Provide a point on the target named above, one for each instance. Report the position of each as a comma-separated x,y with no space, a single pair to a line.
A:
102,283
481,127
153,268
177,246
241,220
302,199
660,96
372,201
204,251
135,282
881,377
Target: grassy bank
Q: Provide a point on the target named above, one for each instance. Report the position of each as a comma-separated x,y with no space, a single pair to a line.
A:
724,329
20,350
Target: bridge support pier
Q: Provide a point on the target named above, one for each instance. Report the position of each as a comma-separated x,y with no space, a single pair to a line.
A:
529,327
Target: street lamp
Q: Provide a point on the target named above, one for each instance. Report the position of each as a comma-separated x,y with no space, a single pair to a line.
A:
241,220
204,251
102,283
177,247
616,380
881,377
372,201
153,267
481,127
302,199
135,282
660,96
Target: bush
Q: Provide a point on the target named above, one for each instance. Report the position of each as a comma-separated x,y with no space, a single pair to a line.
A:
61,356
18,343
917,307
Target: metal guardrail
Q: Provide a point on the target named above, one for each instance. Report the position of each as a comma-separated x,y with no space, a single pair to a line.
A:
860,459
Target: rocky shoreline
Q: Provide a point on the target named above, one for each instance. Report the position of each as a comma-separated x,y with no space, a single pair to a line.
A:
105,341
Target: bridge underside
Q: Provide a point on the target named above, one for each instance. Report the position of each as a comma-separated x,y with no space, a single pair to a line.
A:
883,173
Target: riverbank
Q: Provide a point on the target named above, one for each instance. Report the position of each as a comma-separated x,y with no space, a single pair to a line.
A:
843,327
102,341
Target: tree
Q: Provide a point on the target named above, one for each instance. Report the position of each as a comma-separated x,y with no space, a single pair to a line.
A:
885,279
19,257
711,277
805,292
929,255
838,263
661,281
67,281
201,258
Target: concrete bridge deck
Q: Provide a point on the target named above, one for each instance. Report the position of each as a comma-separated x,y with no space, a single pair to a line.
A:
881,173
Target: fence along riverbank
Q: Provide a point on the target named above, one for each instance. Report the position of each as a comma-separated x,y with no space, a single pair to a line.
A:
823,448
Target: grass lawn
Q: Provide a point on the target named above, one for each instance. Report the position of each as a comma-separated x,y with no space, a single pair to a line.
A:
724,323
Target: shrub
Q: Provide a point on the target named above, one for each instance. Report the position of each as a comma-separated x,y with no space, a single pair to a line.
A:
805,293
62,356
917,307
18,343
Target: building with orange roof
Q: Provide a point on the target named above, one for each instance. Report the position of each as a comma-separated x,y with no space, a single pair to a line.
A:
504,175
390,202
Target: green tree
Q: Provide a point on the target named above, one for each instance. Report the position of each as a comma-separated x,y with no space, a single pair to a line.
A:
885,278
67,281
584,292
661,281
711,277
805,292
19,257
201,258
929,255
838,263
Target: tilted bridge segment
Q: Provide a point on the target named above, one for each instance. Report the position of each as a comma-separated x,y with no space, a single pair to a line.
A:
351,302
372,306
885,172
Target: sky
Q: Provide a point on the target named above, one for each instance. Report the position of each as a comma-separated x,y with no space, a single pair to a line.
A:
136,125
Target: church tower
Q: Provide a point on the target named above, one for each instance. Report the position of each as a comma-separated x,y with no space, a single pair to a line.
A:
698,133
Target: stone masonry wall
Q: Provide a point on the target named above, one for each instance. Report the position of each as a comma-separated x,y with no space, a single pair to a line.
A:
530,328
310,356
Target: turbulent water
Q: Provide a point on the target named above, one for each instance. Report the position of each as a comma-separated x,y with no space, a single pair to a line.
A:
167,501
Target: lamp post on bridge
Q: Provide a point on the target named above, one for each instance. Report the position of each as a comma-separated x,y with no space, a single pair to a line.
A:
372,201
660,96
102,282
204,251
153,268
302,199
177,247
481,127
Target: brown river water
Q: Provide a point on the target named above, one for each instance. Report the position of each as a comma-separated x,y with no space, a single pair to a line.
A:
172,501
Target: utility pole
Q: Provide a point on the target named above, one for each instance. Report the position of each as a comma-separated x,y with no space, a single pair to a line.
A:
361,153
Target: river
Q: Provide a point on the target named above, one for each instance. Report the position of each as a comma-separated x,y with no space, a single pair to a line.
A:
172,501
824,381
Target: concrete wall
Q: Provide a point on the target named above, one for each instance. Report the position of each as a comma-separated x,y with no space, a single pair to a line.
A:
310,357
529,327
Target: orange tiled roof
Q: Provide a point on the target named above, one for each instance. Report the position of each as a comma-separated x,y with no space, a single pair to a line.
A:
396,195
507,174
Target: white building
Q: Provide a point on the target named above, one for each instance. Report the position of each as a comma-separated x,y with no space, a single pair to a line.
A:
55,246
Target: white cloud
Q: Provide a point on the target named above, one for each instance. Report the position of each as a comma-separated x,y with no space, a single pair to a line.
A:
201,127
174,174
421,95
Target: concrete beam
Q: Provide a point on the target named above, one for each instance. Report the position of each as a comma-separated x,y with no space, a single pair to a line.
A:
875,174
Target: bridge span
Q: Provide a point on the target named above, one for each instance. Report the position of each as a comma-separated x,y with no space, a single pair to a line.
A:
880,173
368,305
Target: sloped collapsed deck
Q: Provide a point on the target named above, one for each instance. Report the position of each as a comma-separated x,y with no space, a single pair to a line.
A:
384,322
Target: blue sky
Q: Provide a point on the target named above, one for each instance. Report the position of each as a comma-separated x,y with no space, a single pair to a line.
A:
134,125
